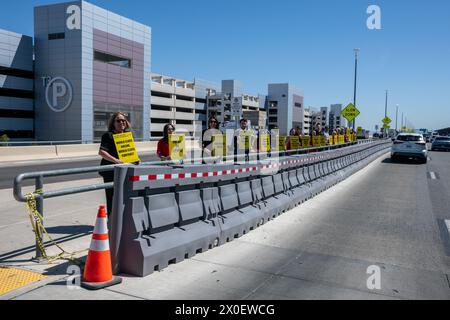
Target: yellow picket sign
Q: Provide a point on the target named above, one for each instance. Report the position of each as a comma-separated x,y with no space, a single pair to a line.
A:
177,146
219,145
295,142
126,149
323,141
243,141
316,141
282,144
264,142
341,139
306,142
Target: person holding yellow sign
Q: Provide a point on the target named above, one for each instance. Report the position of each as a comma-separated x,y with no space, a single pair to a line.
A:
118,125
163,150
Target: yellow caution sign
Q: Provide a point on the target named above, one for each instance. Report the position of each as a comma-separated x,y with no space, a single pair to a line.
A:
295,142
219,145
264,142
126,148
350,112
306,142
177,146
347,132
341,139
282,144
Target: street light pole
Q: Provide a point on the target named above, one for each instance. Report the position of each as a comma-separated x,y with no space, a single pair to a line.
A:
396,116
385,111
401,128
354,87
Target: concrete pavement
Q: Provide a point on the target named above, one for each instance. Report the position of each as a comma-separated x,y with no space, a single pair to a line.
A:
388,214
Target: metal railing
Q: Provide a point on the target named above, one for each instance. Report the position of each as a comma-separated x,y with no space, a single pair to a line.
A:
40,194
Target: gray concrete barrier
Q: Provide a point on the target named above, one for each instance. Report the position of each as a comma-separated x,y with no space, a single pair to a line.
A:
165,214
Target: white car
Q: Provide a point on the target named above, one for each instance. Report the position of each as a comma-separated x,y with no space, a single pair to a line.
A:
409,145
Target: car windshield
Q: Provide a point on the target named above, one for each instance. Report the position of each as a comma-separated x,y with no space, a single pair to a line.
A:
442,139
409,138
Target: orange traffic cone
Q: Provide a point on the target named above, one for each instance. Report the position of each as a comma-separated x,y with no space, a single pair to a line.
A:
97,270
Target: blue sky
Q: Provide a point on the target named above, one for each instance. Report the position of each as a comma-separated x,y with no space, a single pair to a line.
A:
308,43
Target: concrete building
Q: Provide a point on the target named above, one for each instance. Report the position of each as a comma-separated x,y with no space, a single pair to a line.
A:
16,86
335,118
230,104
89,63
203,89
285,107
306,126
324,112
173,101
319,117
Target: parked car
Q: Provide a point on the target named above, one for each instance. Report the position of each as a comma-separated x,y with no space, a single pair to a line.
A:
441,143
409,145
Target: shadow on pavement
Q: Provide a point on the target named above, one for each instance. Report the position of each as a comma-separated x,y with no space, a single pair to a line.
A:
402,161
77,229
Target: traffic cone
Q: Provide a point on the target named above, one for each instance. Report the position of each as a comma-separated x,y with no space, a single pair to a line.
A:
97,270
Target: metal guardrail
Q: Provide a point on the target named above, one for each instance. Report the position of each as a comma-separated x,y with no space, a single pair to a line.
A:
40,194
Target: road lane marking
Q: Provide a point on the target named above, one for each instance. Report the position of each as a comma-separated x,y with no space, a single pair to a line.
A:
433,175
447,223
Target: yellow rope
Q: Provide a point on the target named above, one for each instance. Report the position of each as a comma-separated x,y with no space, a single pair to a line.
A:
36,221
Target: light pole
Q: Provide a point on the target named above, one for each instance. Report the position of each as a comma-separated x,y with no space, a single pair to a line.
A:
385,112
396,116
401,128
354,87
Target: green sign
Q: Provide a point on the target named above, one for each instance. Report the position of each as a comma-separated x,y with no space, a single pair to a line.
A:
350,112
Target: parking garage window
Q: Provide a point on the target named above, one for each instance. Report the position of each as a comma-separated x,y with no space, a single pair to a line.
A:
112,59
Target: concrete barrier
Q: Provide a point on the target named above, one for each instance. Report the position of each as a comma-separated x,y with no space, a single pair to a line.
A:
164,214
10,154
77,150
28,153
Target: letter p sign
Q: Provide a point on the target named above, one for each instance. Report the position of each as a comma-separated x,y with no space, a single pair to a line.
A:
59,91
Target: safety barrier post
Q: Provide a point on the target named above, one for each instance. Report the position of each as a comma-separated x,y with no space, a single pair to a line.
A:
40,208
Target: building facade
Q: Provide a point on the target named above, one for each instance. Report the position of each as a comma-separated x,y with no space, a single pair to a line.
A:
89,63
285,107
335,118
231,104
173,101
16,86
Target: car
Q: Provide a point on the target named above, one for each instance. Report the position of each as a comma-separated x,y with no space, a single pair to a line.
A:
409,145
441,143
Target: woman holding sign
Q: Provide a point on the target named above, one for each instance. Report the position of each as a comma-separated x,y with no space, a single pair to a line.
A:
118,124
163,150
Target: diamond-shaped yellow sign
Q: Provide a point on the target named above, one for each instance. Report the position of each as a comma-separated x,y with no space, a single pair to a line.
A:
386,120
350,112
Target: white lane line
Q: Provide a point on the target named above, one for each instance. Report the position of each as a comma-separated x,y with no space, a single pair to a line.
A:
447,223
432,175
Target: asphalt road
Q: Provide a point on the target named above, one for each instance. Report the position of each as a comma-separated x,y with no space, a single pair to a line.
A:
9,171
390,216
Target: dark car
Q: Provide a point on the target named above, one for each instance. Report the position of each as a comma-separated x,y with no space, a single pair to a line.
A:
441,143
